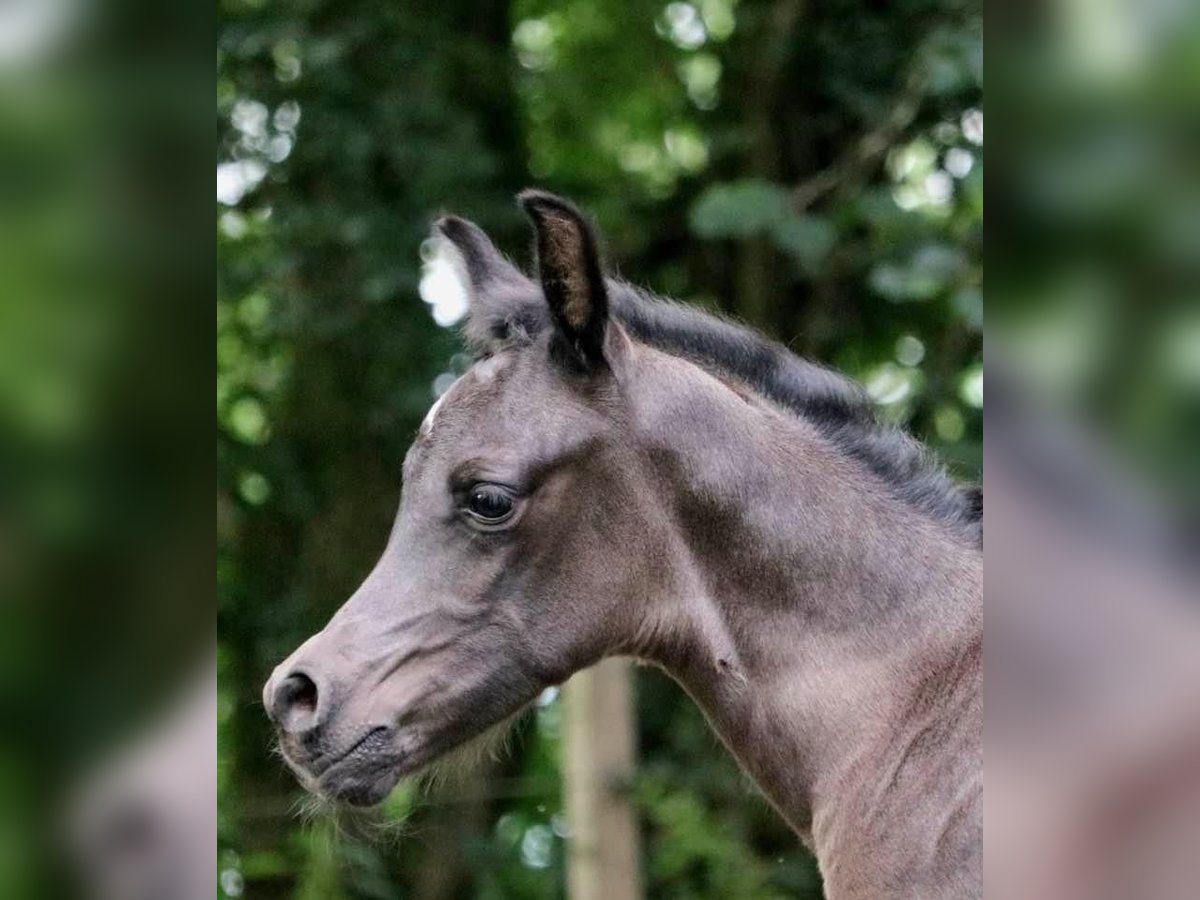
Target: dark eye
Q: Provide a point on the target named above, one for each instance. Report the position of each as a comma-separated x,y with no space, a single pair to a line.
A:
490,503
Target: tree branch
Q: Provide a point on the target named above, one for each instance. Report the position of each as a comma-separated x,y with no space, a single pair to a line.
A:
869,149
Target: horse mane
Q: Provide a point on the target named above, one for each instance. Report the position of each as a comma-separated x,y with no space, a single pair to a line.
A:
839,408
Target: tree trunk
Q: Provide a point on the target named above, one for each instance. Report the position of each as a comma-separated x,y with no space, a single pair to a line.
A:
603,848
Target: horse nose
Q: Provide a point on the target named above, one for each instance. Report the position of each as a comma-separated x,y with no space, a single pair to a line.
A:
294,702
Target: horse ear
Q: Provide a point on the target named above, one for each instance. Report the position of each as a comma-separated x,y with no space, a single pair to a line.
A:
568,264
498,296
482,262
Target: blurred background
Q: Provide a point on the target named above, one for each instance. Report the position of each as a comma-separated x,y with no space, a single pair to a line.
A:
106,548
812,169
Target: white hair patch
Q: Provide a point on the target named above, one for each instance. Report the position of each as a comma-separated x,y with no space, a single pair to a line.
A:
427,424
482,372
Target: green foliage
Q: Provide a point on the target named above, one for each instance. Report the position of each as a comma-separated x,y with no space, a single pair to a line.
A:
696,854
754,208
740,209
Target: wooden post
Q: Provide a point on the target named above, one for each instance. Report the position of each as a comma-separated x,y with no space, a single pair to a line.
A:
603,861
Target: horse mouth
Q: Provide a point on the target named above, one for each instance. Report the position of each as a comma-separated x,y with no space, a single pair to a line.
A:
374,739
365,773
361,782
362,774
369,766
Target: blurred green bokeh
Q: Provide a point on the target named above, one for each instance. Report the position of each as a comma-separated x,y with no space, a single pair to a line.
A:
105,591
1094,303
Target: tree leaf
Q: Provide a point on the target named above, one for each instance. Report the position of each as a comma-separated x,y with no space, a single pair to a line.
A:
739,209
807,239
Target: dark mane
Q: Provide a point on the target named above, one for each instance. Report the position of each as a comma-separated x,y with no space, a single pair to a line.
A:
839,407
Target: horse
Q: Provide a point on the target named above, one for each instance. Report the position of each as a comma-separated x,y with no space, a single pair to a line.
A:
622,475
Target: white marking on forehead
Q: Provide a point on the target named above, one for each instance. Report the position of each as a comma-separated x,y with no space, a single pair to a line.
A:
427,425
482,372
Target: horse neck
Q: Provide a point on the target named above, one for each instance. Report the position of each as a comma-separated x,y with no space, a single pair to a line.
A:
813,616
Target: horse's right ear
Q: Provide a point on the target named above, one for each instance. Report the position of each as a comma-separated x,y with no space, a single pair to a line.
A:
499,296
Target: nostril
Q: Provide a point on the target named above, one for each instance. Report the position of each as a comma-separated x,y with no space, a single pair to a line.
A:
295,705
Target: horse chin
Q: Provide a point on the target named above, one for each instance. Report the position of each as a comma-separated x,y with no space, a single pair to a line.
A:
366,779
369,793
365,783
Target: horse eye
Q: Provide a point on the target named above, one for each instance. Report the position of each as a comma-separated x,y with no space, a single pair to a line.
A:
490,503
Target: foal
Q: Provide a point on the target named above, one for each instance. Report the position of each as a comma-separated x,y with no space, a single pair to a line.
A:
617,474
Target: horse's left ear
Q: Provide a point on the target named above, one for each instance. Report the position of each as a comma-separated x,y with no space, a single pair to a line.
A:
568,263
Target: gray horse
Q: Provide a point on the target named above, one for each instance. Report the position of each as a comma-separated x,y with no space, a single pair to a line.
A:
621,475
